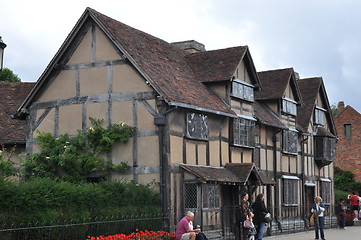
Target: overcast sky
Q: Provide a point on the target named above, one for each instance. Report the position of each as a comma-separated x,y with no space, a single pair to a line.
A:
318,38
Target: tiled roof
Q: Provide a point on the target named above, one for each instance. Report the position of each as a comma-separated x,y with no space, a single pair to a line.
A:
216,65
274,83
249,172
309,88
323,132
266,116
167,67
231,173
11,96
212,174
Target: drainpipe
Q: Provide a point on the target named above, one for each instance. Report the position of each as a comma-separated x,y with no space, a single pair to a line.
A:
276,139
304,218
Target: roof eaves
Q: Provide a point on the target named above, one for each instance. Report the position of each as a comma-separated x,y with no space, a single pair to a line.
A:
253,68
183,105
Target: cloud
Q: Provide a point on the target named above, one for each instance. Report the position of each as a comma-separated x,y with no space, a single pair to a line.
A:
317,38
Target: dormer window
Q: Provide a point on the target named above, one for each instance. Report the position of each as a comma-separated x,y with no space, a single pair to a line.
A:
319,116
242,90
289,106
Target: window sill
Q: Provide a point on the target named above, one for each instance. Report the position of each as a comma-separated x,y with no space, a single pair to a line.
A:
243,146
290,205
196,139
288,153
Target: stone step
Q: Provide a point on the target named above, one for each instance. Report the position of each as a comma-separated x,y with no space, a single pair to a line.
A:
357,223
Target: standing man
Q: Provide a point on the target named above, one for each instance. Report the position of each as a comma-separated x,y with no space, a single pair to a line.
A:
342,213
354,201
185,228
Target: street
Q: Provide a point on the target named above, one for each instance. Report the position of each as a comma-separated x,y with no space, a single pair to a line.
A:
330,234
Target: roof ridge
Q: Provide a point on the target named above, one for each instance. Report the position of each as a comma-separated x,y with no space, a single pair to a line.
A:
274,70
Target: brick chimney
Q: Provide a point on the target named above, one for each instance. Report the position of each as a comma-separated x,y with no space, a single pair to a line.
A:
340,105
190,46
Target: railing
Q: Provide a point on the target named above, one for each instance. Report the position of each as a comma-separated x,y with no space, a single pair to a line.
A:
291,220
226,226
79,230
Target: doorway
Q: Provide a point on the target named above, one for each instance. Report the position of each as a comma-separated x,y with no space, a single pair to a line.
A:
310,196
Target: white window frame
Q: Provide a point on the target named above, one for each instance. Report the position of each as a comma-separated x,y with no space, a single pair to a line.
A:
289,106
242,90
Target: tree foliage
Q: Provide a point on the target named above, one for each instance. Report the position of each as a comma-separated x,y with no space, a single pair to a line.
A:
344,180
6,75
335,110
7,166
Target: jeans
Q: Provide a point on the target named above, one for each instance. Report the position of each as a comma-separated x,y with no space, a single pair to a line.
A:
342,220
260,230
319,226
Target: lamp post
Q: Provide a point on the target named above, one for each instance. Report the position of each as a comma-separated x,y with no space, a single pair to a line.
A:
2,47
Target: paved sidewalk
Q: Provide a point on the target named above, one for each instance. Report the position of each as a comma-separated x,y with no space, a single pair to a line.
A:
330,234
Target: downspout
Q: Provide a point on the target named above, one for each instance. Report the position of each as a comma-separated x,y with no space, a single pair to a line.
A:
160,122
303,203
276,139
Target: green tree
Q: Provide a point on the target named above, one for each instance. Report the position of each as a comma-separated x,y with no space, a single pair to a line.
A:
7,167
335,110
6,75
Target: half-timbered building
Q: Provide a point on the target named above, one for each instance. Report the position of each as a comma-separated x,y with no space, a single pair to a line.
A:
208,125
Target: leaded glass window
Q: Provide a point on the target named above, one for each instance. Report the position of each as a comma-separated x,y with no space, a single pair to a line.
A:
290,138
326,191
319,116
289,106
190,195
290,191
243,132
197,126
211,195
242,91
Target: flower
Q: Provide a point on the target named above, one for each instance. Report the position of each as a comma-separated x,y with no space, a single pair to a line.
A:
144,235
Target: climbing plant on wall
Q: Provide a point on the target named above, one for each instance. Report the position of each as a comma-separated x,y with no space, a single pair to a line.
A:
74,158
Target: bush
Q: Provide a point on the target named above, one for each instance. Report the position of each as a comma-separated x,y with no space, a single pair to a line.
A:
47,200
74,158
344,181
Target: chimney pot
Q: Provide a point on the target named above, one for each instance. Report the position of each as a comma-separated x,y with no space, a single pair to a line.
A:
341,105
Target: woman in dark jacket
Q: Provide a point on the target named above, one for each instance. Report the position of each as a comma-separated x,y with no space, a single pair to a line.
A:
245,213
259,211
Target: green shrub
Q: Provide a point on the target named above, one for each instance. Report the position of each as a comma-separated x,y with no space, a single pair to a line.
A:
48,200
74,158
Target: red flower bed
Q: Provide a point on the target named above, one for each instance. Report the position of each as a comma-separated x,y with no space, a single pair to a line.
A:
138,235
